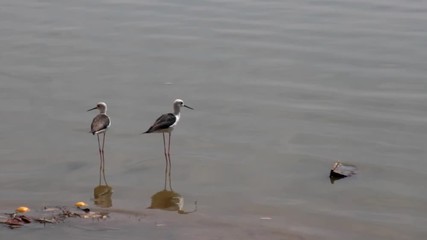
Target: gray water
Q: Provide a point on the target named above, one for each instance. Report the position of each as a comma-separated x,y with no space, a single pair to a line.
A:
281,90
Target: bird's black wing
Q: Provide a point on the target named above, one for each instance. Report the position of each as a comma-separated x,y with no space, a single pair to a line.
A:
100,122
163,122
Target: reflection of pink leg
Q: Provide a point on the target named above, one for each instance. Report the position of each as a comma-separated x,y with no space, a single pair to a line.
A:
100,159
165,177
169,160
166,157
103,159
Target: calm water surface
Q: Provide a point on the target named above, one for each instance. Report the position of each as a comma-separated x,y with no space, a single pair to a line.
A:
281,90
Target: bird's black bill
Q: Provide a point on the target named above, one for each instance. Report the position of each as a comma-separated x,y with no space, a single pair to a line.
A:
92,109
188,107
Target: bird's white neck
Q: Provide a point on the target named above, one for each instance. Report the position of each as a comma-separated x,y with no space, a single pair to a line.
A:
177,116
176,110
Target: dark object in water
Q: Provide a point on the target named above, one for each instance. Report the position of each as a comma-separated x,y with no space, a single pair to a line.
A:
46,220
16,221
86,210
24,219
49,215
340,170
13,223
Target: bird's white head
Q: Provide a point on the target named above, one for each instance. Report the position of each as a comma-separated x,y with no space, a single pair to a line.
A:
101,106
177,104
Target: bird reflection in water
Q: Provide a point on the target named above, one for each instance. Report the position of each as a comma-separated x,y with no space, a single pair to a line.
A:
169,200
102,194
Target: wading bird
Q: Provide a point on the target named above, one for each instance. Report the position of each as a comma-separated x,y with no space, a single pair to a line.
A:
99,125
165,124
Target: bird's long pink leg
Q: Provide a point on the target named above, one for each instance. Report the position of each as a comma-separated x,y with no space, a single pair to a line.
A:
100,159
103,159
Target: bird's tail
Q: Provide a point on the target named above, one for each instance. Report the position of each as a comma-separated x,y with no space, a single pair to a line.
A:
148,131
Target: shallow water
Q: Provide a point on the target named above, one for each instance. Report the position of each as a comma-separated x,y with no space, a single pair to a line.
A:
281,90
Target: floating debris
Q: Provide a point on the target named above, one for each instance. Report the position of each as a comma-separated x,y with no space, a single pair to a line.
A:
265,218
50,215
45,220
24,218
15,221
340,170
22,209
95,215
51,209
80,204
